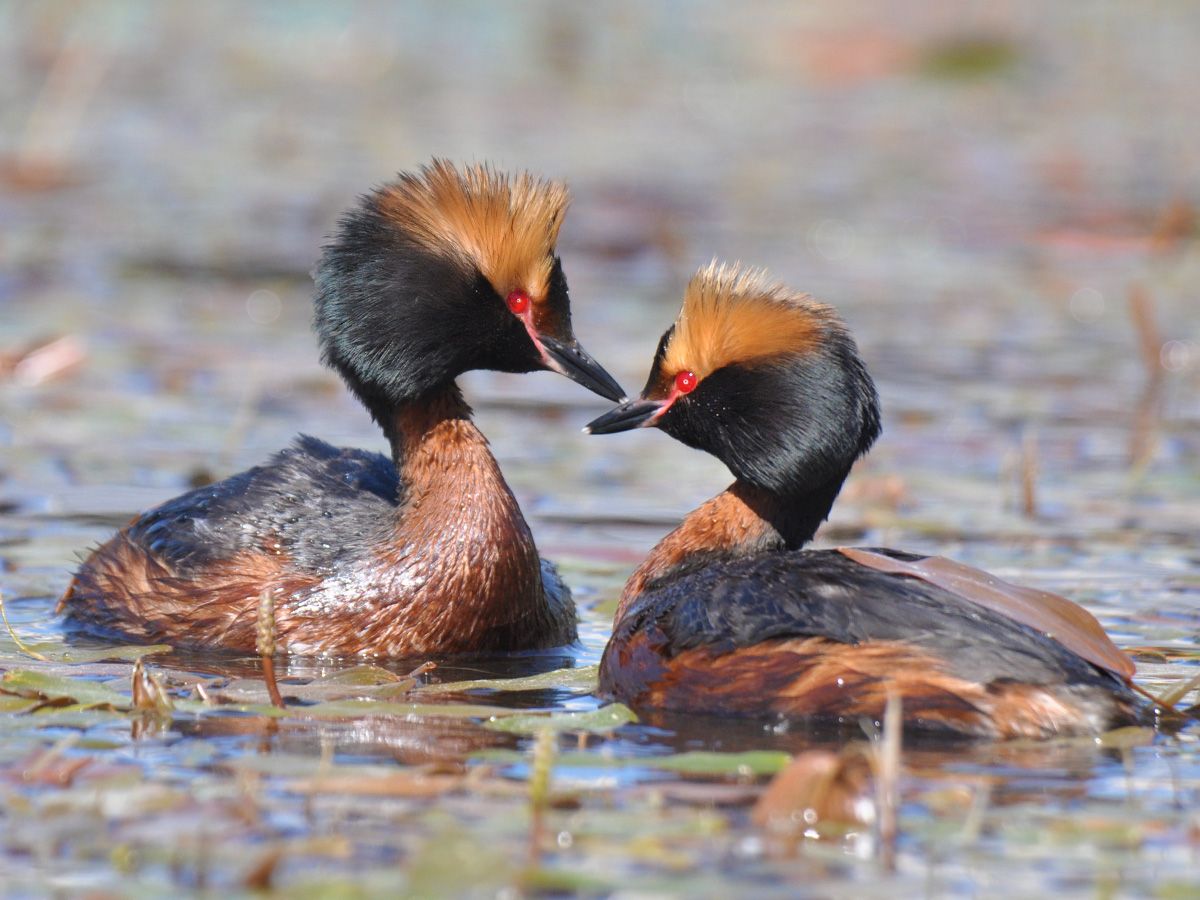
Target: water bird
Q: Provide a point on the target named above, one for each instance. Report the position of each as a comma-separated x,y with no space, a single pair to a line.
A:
729,615
441,271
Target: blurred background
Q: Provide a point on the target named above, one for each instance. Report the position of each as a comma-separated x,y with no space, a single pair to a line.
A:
999,197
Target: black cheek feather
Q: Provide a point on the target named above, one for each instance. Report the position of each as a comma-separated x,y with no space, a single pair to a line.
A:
501,342
397,320
381,310
791,426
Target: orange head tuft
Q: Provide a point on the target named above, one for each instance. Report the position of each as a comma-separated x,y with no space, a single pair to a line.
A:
735,315
504,225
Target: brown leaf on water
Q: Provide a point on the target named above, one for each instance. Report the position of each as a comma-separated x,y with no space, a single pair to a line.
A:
401,784
55,690
148,693
1175,224
48,768
262,873
816,787
42,360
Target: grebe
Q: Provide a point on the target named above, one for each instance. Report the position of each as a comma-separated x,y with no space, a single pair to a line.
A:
437,273
728,615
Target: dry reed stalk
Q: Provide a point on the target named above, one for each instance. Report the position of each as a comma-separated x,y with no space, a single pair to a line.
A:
887,781
1029,471
265,644
544,752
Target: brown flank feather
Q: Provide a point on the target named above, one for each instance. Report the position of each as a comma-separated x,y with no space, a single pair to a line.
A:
461,574
506,225
126,587
818,678
733,315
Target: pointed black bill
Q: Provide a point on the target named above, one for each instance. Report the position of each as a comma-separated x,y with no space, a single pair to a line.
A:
630,414
570,359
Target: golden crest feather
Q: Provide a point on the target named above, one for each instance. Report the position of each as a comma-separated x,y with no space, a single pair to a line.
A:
732,314
506,225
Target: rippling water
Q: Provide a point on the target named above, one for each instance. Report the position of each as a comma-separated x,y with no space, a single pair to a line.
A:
983,197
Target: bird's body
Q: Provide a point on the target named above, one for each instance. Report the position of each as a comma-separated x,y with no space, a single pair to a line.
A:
437,561
423,553
728,614
815,634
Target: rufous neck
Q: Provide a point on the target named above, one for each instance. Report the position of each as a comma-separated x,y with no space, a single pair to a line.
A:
420,429
727,525
458,528
740,521
450,483
449,478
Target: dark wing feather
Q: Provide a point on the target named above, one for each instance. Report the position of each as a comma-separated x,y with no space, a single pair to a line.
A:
740,603
316,501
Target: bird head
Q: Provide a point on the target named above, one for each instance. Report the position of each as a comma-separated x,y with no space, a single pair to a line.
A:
766,379
445,270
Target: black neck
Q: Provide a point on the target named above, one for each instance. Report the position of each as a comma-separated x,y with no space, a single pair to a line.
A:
796,515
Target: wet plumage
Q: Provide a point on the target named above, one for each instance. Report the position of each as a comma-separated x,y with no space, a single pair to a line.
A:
729,615
425,552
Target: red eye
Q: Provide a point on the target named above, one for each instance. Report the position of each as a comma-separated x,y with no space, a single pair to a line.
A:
685,382
518,302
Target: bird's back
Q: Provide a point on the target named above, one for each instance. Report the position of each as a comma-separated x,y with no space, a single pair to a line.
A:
768,622
313,502
353,570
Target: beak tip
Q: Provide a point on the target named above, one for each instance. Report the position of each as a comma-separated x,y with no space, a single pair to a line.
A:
569,359
627,415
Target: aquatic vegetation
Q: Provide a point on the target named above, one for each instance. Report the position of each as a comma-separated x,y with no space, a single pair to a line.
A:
1008,233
